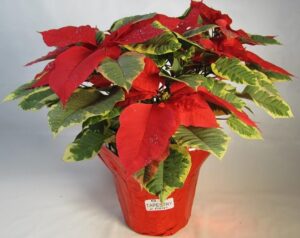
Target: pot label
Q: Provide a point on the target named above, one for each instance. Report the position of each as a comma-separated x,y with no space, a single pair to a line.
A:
156,205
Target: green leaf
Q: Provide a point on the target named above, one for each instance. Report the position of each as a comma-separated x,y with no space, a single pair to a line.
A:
224,91
84,103
159,45
38,98
265,40
96,119
192,80
212,140
186,55
87,144
100,37
272,103
170,174
181,39
275,77
199,30
160,60
242,129
200,20
126,20
266,83
123,71
235,71
21,91
186,41
176,66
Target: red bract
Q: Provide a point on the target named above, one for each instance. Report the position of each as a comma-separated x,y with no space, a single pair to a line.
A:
51,55
138,34
221,102
84,68
42,79
208,14
144,133
178,88
206,43
70,35
146,123
149,79
99,81
193,110
72,68
211,16
143,30
190,21
145,86
65,63
182,89
233,48
251,57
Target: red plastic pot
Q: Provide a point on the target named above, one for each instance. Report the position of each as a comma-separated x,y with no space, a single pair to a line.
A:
142,211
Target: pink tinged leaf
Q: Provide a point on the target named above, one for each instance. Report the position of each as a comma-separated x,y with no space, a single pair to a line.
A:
193,110
70,35
51,55
221,102
144,133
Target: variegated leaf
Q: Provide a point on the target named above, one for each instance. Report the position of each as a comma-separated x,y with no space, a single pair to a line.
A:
212,140
242,129
123,71
161,179
83,104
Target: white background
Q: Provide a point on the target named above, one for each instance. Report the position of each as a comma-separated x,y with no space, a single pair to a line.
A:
253,192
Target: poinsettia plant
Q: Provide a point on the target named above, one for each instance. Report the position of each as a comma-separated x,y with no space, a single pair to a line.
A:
153,87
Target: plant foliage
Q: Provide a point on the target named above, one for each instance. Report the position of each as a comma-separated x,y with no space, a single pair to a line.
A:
153,87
